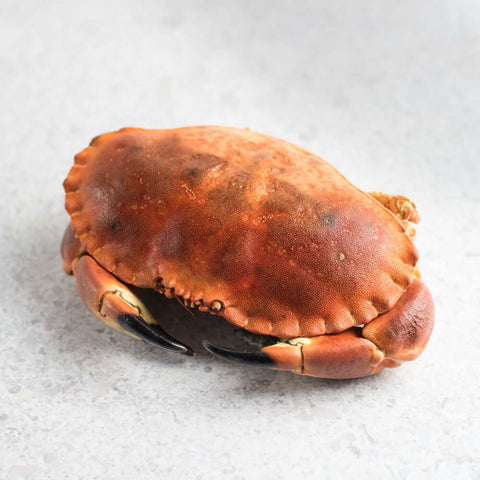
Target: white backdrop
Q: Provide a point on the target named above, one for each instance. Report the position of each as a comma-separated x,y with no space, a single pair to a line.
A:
386,91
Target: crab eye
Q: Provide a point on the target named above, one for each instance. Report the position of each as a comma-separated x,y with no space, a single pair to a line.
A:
216,306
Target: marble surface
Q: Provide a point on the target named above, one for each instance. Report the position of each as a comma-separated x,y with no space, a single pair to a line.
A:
387,91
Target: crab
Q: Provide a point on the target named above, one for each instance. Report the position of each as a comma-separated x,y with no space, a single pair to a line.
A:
253,229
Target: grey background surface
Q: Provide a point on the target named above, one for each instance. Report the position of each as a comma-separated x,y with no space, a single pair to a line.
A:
387,91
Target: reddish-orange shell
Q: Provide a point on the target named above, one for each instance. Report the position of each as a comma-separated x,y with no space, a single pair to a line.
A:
285,243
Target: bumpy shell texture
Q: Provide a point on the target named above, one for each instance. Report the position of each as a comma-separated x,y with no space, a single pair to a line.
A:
270,235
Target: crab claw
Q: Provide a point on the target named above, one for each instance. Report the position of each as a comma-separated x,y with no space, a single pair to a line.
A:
257,358
152,334
392,338
118,307
345,355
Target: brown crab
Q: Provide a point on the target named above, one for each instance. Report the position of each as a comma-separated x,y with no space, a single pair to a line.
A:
252,228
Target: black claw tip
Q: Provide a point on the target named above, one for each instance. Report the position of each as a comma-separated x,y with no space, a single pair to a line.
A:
258,358
152,334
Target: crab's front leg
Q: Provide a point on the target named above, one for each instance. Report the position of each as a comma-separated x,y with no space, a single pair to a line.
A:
397,336
112,301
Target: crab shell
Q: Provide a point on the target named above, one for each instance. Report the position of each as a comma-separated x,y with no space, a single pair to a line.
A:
243,225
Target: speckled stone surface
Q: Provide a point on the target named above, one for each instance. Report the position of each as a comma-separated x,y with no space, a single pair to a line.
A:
388,92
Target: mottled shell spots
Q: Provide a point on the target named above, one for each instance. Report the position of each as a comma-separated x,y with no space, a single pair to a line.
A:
274,234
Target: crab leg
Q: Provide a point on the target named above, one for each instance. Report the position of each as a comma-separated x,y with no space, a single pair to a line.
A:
400,206
397,336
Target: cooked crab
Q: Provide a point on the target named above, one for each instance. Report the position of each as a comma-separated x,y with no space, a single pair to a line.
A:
256,230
